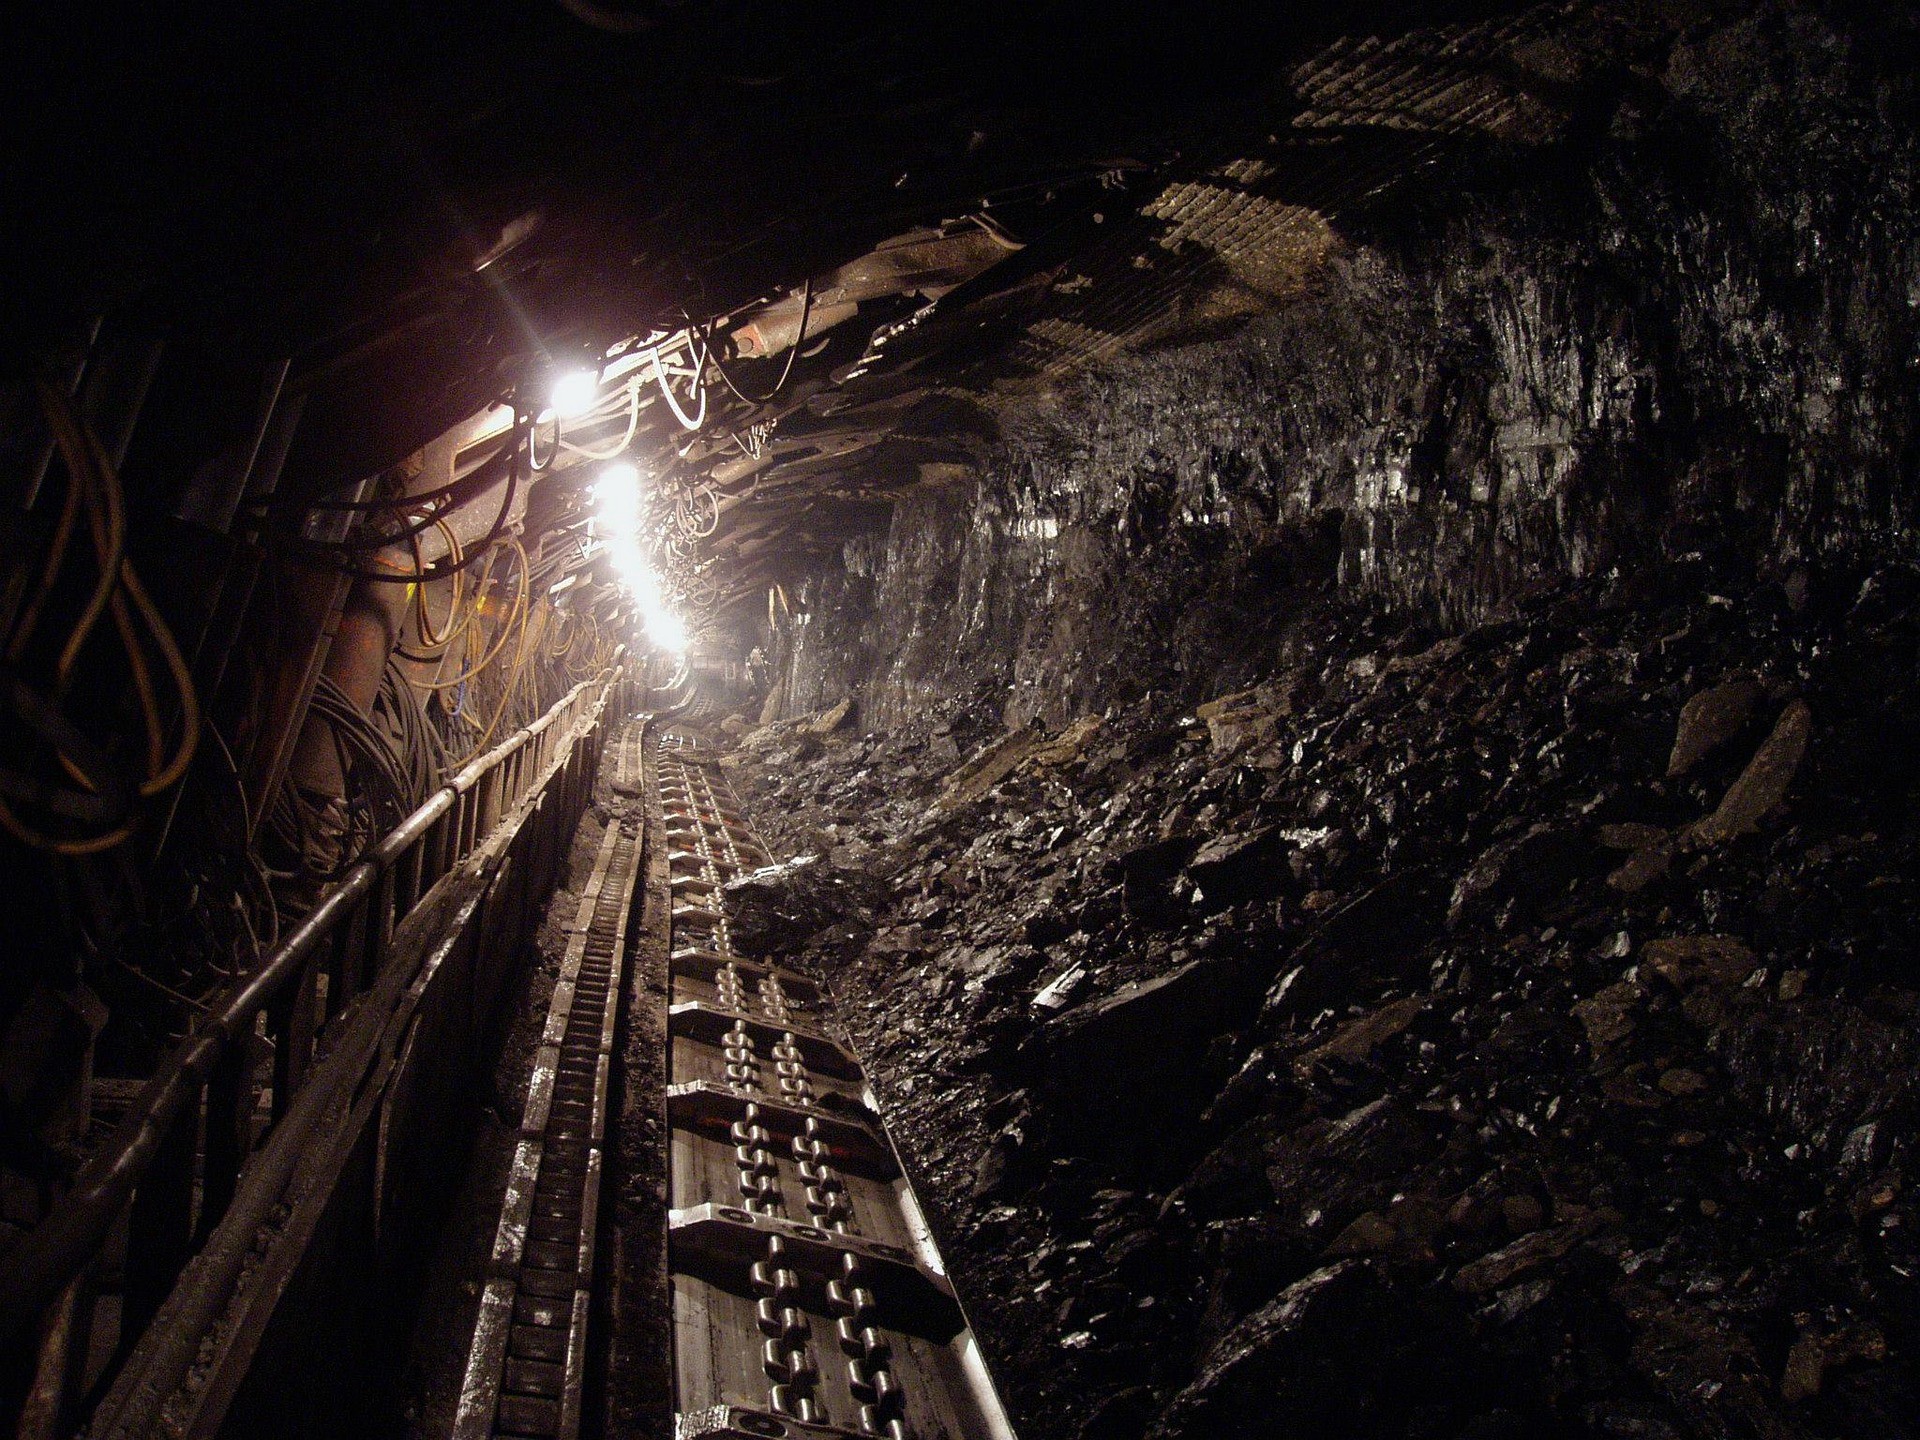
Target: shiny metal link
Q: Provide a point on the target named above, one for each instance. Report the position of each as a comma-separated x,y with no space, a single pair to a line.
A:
773,1000
785,1355
716,845
827,1199
743,1066
759,1178
868,1355
796,1087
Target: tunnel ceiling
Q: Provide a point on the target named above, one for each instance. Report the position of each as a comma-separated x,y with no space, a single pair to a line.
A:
421,206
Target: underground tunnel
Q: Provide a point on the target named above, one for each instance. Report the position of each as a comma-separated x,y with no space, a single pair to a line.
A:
952,722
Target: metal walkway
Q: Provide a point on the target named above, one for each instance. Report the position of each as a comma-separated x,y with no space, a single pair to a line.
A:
526,1369
809,1299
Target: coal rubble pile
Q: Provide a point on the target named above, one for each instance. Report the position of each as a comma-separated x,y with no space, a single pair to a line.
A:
1502,1033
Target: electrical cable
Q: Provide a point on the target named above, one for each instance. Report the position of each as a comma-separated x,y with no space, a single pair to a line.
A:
439,569
422,615
94,482
633,426
533,431
109,531
699,390
499,639
49,572
519,656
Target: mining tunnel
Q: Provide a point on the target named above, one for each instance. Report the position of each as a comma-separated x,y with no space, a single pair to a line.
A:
735,721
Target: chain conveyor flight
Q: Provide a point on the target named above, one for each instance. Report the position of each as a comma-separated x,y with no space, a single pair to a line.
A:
809,1299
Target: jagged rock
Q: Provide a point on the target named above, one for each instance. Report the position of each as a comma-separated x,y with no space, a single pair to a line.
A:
1275,1372
1699,1363
1232,868
780,907
989,767
1504,1266
1522,1213
1681,1082
1120,1067
1065,747
1513,752
1058,992
1709,720
1536,864
1814,1353
1357,1039
1149,872
1249,717
1004,756
1643,867
990,1176
1685,960
1369,1233
1763,784
1630,835
1375,931
829,720
1608,1020
1344,1166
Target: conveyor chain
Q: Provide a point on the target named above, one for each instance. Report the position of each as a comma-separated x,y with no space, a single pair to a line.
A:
809,1299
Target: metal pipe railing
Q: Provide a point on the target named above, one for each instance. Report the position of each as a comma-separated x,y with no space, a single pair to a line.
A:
347,935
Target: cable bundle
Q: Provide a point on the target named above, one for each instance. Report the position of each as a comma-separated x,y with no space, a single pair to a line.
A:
94,807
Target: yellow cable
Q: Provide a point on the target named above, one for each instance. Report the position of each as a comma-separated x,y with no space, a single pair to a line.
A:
92,846
500,638
423,616
56,556
92,478
519,654
182,679
142,686
109,545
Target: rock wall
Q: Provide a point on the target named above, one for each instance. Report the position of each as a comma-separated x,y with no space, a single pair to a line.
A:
1684,335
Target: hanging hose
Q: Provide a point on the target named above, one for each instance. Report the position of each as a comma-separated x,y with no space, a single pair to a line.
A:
93,485
499,640
439,569
699,390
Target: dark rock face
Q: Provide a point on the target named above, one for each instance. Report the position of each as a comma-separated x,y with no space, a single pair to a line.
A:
1497,1014
1683,335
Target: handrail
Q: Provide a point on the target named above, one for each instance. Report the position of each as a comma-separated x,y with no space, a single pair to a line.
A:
42,1263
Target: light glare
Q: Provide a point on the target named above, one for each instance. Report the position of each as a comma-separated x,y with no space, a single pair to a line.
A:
574,393
616,498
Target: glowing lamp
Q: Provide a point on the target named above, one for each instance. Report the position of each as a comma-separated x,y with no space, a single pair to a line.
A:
574,393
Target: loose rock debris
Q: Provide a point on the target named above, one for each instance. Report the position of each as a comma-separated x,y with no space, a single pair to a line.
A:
1314,1064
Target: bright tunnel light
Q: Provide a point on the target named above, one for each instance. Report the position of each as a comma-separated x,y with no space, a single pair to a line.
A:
574,393
616,499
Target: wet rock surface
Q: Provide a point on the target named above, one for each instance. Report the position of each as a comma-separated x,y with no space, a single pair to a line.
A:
1316,1073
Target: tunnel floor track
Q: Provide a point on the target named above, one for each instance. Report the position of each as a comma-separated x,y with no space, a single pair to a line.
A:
527,1367
805,1292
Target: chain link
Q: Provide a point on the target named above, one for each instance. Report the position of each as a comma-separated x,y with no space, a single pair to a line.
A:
784,1325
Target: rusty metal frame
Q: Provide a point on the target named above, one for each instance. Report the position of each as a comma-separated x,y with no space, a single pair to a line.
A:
144,1175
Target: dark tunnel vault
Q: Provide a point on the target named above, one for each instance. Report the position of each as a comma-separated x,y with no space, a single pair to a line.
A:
1332,596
